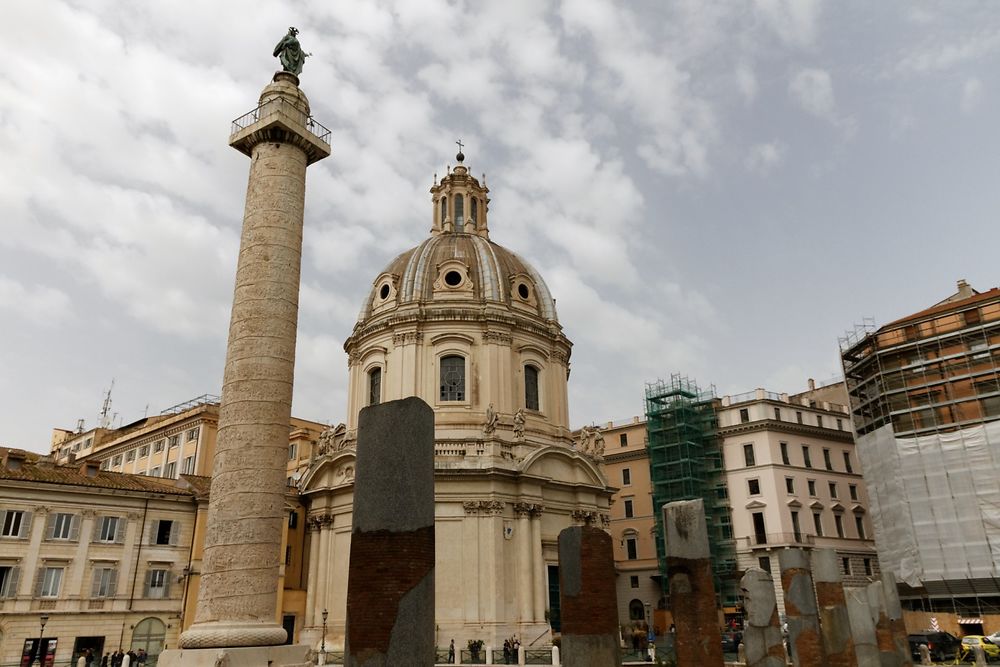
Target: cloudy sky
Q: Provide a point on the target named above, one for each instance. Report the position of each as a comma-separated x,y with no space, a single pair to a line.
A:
720,189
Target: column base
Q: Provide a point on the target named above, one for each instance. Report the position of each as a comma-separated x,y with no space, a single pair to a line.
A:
289,655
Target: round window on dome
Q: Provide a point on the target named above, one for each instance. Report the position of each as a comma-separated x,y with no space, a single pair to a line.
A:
383,292
453,279
522,291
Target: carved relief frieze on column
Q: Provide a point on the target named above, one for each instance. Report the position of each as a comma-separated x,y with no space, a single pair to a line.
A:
605,520
522,509
353,359
585,517
471,506
491,507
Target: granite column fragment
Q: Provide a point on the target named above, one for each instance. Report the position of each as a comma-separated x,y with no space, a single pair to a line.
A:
762,640
800,609
835,625
588,604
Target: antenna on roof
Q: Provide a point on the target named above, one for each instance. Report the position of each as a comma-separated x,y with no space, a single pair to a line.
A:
79,426
106,419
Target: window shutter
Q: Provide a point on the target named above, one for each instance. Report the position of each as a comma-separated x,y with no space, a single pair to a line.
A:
50,526
25,525
175,530
13,577
113,583
95,586
166,583
149,579
74,528
154,531
98,524
120,530
39,580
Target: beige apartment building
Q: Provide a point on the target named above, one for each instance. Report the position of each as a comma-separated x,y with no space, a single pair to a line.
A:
178,441
632,527
793,479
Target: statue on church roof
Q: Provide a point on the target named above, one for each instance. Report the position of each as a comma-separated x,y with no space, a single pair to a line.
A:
290,52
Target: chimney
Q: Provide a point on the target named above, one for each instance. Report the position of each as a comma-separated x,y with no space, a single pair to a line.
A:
90,468
812,384
13,459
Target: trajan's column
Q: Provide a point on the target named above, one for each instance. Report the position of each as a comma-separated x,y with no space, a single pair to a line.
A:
240,568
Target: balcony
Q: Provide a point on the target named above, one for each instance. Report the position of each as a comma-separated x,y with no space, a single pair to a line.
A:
768,540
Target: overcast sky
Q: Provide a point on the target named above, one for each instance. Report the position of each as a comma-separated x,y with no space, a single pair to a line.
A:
715,188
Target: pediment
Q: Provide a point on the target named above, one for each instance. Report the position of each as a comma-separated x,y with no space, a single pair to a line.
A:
794,503
816,505
858,509
755,505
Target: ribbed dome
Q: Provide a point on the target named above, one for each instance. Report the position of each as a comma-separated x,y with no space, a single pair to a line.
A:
494,273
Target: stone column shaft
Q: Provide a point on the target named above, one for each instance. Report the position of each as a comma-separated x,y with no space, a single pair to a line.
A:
800,609
762,639
835,625
310,619
588,603
698,640
538,569
862,627
524,569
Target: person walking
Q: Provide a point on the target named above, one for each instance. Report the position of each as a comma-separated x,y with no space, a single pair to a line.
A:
106,660
451,653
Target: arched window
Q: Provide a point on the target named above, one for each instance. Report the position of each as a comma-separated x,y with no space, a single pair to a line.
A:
636,611
453,378
444,209
475,210
375,386
459,211
530,387
149,634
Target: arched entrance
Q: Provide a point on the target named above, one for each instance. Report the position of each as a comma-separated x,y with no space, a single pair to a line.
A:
148,635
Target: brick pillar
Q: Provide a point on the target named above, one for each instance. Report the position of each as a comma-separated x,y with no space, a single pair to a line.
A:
862,627
390,589
762,641
698,641
588,602
835,625
800,609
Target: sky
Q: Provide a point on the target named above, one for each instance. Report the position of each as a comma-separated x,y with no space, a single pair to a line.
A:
719,189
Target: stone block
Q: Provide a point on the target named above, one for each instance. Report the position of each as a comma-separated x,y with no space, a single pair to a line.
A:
762,645
800,609
252,656
835,625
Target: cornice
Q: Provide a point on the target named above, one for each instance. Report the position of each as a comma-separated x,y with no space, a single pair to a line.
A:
631,455
787,427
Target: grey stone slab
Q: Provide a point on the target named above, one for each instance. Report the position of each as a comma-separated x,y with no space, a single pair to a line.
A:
686,530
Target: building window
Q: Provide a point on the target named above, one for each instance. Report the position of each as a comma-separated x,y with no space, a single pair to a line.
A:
108,529
765,563
636,610
629,512
784,454
192,434
811,483
819,421
105,582
859,523
459,211
453,378
155,472
777,414
164,532
826,459
293,450
144,451
631,548
748,456
818,523
130,456
798,416
288,554
187,467
846,562
753,486
790,484
116,460
48,582
444,208
61,526
375,386
838,522
853,490
15,523
623,439
847,462
87,442
759,529
530,387
806,458
474,203
868,567
293,519
170,470
633,581
840,424
626,477
796,529
9,576
833,490
157,446
174,440
157,584
744,415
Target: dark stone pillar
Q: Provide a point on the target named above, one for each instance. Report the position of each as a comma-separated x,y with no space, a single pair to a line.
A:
390,589
588,604
835,624
800,609
762,640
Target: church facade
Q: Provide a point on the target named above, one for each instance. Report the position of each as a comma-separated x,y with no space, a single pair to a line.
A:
471,328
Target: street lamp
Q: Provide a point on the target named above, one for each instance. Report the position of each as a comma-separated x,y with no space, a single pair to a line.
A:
43,619
322,644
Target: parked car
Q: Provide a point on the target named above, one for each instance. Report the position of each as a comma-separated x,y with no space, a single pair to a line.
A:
991,650
942,645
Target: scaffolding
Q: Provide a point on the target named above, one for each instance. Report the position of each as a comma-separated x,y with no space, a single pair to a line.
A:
685,459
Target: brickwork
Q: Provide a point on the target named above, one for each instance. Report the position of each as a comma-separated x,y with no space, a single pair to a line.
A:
692,601
593,611
385,566
800,609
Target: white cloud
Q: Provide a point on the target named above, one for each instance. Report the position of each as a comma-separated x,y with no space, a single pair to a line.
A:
794,21
746,81
763,157
936,56
972,94
812,89
38,305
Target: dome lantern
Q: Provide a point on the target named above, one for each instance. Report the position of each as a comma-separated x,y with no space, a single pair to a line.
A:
460,202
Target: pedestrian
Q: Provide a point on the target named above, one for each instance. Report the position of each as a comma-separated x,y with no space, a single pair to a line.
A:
451,653
506,651
141,657
127,659
106,660
116,659
82,660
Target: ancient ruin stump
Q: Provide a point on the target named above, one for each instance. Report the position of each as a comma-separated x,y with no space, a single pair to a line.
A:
588,603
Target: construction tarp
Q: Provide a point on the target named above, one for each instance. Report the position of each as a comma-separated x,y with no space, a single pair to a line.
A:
935,502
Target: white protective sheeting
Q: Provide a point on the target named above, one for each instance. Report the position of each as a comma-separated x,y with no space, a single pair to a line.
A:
935,502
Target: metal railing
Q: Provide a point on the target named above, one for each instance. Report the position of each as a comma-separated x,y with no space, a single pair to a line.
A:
275,104
777,539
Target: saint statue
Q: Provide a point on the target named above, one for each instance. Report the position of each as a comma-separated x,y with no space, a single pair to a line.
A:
492,418
519,424
290,53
